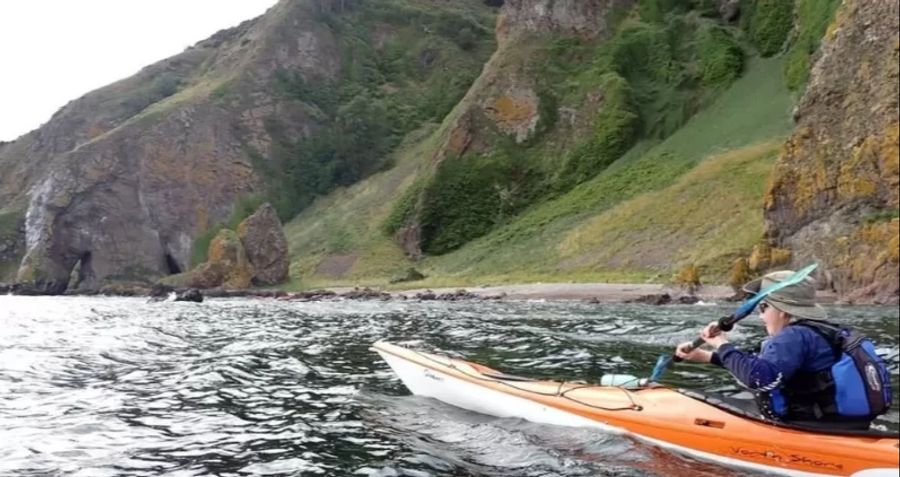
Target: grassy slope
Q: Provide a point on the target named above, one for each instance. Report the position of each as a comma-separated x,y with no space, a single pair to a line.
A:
348,223
607,228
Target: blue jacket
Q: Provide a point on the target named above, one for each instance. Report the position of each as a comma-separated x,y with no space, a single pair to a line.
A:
793,349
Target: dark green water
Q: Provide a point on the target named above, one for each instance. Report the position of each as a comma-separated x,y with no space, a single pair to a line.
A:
116,387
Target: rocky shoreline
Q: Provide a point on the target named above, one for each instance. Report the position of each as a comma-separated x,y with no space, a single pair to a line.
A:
592,293
652,294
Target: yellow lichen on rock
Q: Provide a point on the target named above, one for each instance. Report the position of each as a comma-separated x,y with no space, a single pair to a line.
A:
688,278
513,110
819,179
759,258
515,113
764,257
889,159
882,236
870,254
843,15
893,247
852,179
740,273
779,256
226,250
802,173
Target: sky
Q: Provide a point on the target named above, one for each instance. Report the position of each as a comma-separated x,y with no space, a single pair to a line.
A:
54,51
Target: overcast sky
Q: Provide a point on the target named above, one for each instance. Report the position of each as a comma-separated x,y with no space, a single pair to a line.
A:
54,51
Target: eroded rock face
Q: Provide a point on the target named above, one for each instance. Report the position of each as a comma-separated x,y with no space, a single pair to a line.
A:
587,18
129,207
836,183
122,180
266,245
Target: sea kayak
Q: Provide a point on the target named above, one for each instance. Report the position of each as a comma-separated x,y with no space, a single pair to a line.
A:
692,423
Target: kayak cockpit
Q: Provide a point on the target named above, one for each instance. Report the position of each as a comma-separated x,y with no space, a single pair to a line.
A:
748,409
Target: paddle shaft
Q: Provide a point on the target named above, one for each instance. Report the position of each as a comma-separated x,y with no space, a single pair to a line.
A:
726,323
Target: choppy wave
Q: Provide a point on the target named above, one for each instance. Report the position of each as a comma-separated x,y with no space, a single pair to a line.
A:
115,386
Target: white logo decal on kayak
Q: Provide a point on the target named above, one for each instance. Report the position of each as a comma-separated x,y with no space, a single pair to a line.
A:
873,377
430,375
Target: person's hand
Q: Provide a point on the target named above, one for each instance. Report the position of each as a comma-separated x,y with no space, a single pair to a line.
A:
713,335
696,355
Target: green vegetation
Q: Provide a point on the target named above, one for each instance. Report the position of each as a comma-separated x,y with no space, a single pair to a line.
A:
155,90
9,253
395,78
615,130
9,223
753,111
721,59
651,76
813,18
886,215
653,184
467,198
768,23
681,148
356,215
403,209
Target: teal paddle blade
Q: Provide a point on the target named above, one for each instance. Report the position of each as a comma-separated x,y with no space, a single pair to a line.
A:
661,364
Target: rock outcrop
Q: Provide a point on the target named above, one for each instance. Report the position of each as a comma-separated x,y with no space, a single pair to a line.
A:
267,249
227,267
255,255
834,192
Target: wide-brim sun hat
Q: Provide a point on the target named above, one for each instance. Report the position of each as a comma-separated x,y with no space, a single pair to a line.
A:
798,300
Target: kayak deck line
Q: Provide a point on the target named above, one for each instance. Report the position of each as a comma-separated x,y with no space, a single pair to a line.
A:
656,414
480,372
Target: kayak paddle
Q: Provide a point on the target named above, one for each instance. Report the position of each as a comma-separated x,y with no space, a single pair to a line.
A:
726,323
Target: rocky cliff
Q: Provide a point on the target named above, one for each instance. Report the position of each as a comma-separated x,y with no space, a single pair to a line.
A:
120,183
124,178
559,140
834,190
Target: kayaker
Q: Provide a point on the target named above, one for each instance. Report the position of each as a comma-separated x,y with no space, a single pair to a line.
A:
808,371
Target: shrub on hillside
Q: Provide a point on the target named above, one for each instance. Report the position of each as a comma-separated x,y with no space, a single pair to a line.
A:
384,90
688,278
468,197
721,59
615,130
643,50
403,209
739,275
768,23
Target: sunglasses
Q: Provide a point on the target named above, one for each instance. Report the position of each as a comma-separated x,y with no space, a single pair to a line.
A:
763,307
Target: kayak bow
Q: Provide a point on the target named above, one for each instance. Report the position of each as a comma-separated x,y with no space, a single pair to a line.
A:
657,414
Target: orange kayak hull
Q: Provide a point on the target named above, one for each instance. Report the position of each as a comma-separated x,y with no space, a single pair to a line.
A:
656,414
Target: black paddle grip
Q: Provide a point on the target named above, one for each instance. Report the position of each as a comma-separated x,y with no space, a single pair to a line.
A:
726,323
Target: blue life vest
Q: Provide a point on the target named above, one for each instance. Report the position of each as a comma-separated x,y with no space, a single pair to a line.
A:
856,388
